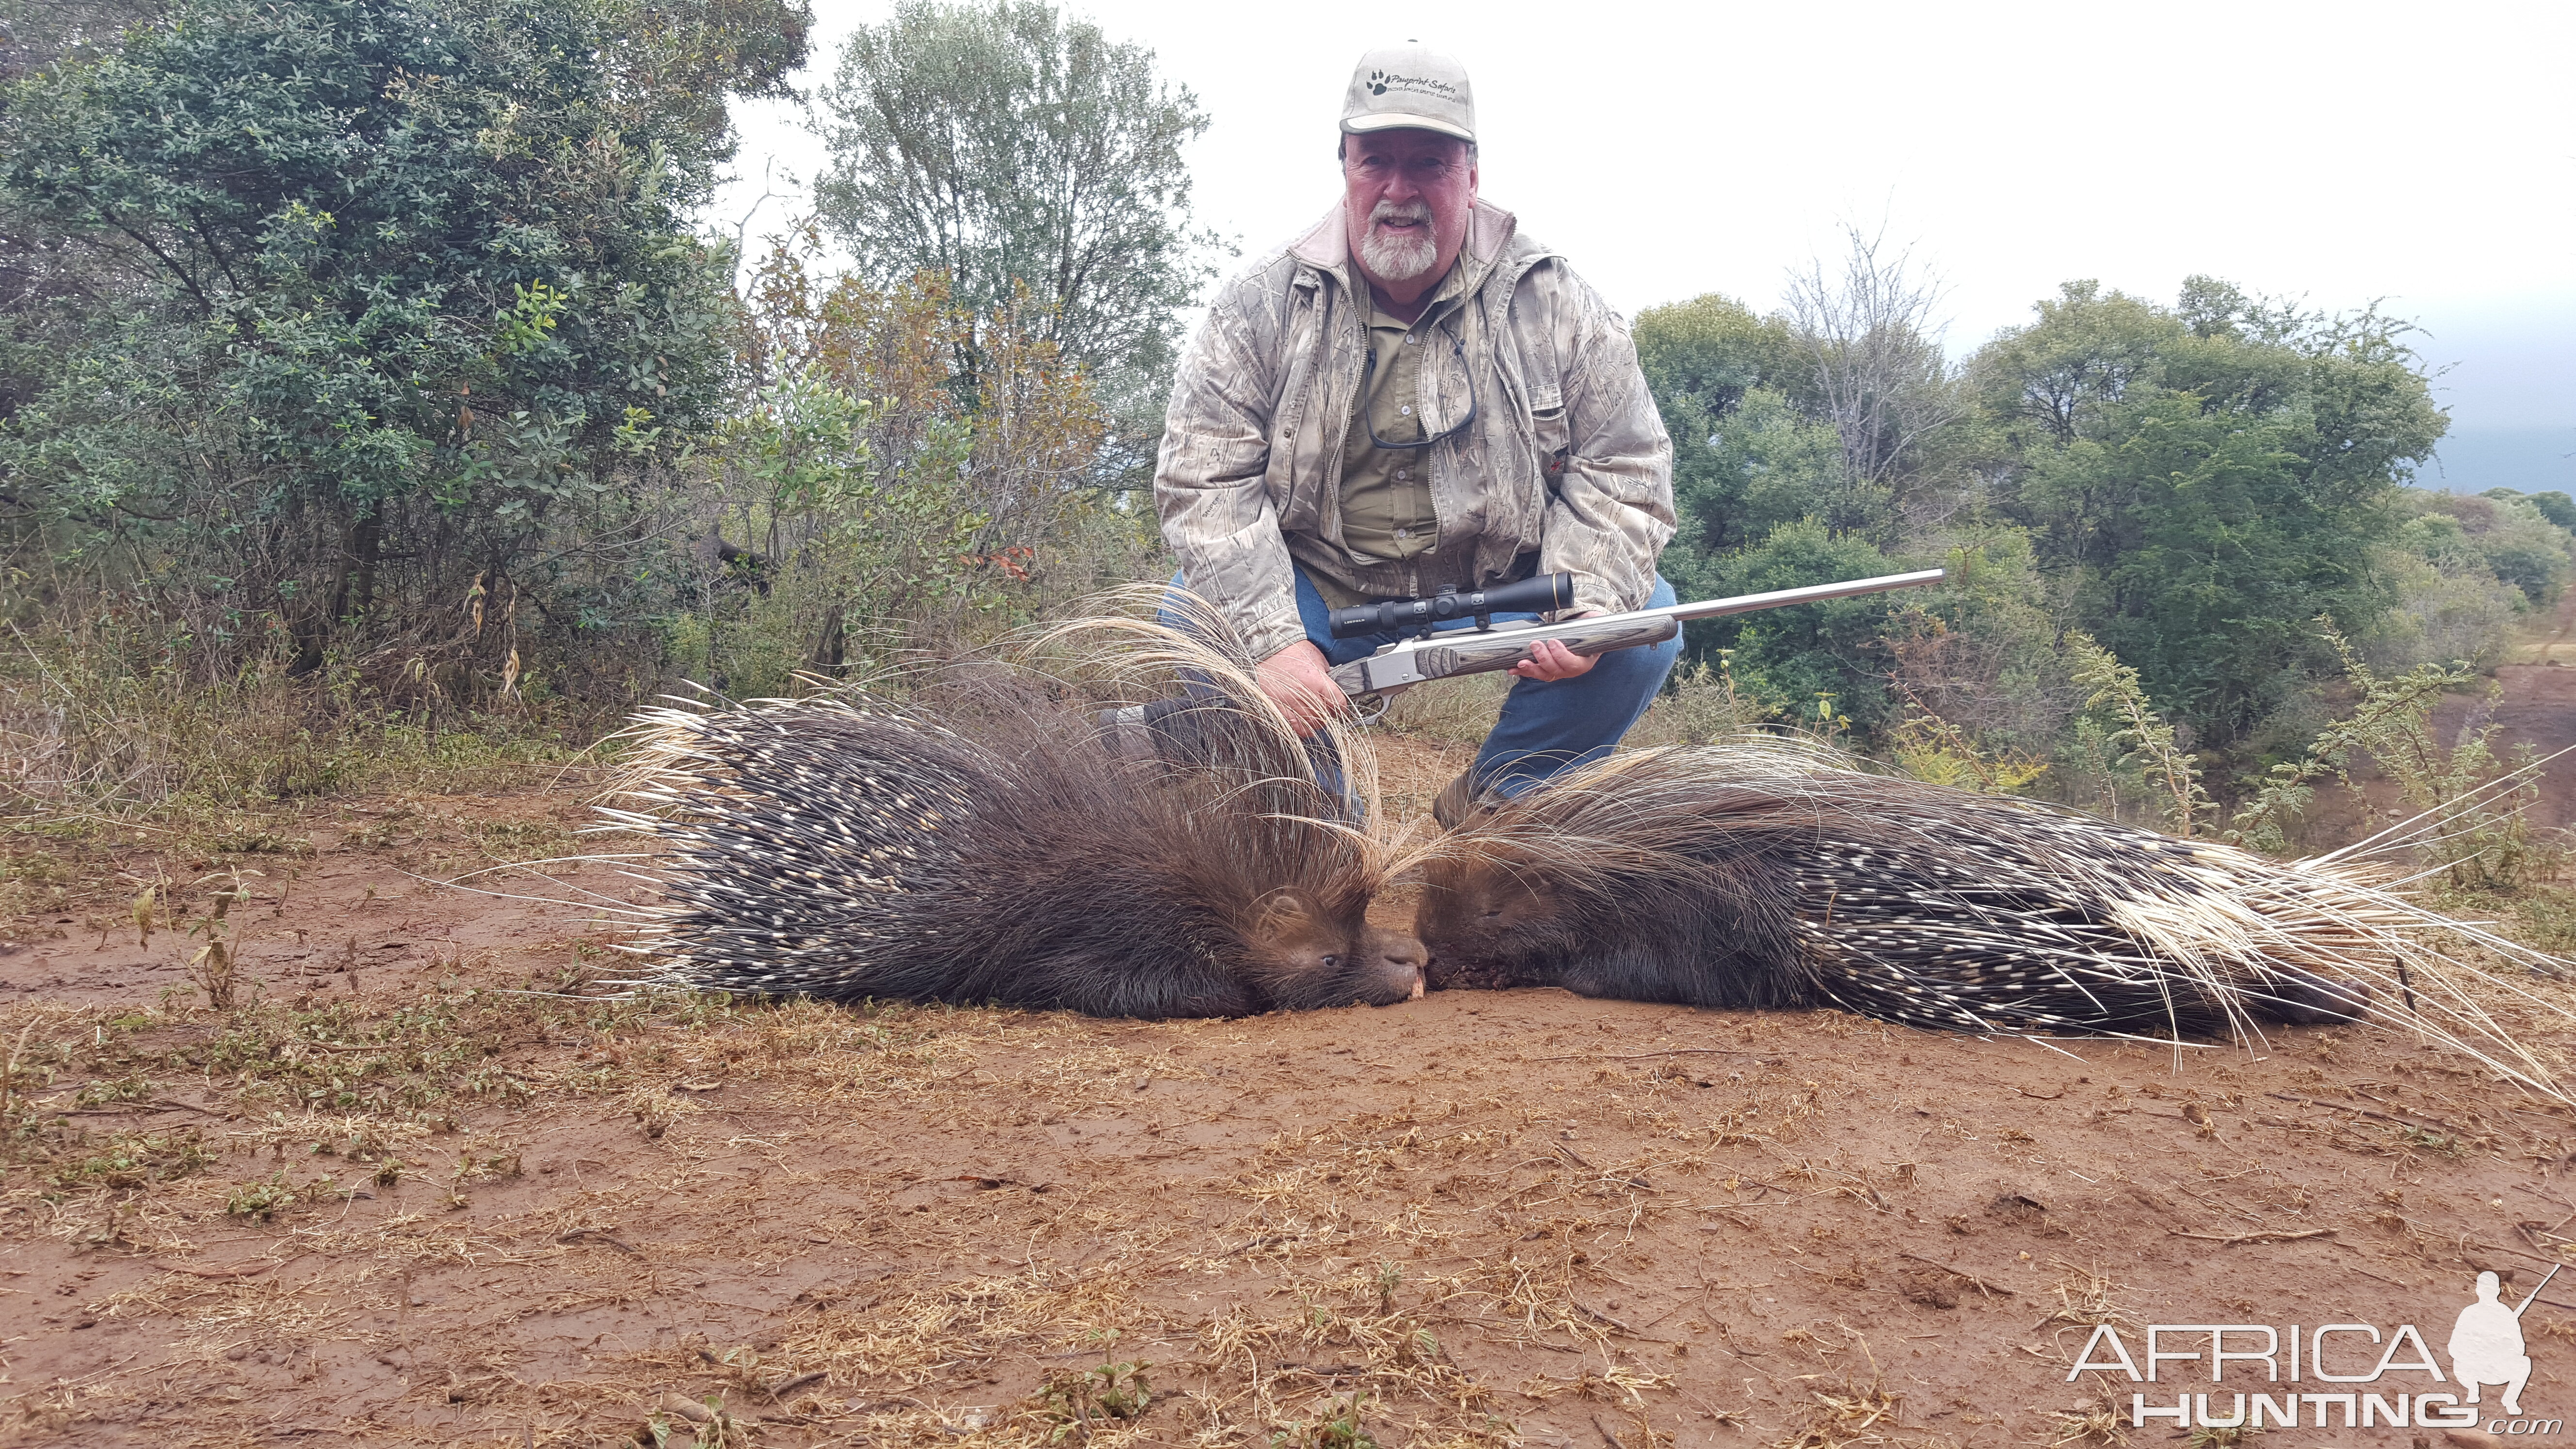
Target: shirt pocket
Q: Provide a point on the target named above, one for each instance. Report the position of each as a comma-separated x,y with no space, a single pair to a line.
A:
1554,434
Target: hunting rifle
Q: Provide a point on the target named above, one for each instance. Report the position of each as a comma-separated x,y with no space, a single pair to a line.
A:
1429,652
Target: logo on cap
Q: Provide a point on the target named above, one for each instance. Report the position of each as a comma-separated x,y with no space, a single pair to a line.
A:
1379,80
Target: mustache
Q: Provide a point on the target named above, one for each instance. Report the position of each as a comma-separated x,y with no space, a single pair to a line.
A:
1400,211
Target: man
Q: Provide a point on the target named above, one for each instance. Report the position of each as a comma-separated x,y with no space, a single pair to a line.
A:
1410,395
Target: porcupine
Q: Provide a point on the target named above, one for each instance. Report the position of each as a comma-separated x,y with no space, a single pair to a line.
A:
845,846
1772,875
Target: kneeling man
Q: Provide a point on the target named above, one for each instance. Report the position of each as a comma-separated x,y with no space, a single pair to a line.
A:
1412,395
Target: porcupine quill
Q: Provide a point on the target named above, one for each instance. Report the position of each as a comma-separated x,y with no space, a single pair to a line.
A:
981,842
1770,872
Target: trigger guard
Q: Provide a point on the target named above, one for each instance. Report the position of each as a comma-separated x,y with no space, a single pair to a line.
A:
1369,708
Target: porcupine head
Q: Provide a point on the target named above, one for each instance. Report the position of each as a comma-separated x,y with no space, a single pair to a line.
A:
1494,916
1257,909
1116,890
1491,921
1303,953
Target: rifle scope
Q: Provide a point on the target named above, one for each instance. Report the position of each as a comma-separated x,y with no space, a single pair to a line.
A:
1540,595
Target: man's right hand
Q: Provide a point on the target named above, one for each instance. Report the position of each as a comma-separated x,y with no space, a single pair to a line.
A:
1296,681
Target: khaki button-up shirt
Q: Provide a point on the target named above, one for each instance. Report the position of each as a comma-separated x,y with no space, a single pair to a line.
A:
1387,510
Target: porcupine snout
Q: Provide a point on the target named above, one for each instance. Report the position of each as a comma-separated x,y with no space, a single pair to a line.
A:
1397,959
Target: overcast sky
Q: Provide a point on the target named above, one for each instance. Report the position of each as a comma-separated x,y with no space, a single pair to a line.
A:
2422,154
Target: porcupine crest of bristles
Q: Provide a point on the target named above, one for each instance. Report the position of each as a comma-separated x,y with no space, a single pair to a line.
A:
1772,872
976,841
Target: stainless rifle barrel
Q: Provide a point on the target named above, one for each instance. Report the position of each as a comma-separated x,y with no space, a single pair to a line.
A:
1780,598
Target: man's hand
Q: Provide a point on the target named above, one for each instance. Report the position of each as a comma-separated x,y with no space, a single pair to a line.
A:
1295,680
1550,660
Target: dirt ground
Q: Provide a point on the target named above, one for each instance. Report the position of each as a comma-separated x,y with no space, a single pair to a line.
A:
421,1190
2536,705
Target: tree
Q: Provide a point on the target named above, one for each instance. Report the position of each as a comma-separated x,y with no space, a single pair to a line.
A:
2557,507
1768,497
1750,450
1872,347
1840,409
1013,149
1702,359
1818,661
330,291
2204,479
876,486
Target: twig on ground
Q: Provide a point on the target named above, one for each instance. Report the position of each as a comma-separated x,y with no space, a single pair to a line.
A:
2263,1237
251,1271
596,1235
2365,1111
1641,1056
1971,1279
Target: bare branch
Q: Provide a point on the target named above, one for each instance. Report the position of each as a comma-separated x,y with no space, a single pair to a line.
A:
1875,342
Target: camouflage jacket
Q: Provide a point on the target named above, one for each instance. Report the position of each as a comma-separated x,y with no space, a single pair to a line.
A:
1566,457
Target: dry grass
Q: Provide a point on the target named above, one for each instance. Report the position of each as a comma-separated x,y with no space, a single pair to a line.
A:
1855,1414
105,742
2097,1423
1455,713
2084,1299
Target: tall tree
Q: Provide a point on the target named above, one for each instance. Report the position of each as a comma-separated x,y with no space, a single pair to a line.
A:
1704,359
1010,147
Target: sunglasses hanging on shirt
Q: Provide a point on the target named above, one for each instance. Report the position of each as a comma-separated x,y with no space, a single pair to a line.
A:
1370,372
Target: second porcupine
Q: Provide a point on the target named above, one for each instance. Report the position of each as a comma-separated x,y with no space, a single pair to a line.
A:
1769,875
845,847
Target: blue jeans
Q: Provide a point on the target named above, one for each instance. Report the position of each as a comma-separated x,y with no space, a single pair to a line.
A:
1546,726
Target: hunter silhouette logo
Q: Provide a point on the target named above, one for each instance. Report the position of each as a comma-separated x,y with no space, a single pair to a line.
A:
2486,1343
2370,1378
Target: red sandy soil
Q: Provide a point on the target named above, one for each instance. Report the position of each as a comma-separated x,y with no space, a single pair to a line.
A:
2536,705
1475,1218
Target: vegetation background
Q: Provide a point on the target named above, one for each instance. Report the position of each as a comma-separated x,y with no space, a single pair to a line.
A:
377,401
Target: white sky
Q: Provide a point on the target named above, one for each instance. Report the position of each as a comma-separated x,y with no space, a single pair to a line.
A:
2425,154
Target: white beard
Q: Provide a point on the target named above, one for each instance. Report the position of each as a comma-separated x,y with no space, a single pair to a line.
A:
1398,256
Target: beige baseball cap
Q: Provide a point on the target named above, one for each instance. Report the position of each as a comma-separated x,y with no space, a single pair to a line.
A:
1410,86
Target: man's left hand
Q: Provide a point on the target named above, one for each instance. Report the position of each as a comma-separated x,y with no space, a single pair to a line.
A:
1550,660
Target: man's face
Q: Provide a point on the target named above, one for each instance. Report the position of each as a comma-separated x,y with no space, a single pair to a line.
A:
1410,194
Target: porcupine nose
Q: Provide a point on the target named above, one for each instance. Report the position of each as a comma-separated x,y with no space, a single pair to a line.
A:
1399,956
